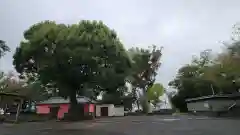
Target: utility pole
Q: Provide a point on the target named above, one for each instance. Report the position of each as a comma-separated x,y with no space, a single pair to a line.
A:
212,90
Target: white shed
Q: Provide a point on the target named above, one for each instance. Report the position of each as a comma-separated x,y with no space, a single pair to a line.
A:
109,110
119,111
105,110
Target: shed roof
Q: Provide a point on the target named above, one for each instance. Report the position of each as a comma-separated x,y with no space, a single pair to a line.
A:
60,100
12,95
211,97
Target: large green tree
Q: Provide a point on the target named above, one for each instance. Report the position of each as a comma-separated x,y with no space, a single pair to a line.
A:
193,80
207,76
139,57
145,67
225,73
73,57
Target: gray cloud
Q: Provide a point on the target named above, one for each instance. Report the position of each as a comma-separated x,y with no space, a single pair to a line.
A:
183,27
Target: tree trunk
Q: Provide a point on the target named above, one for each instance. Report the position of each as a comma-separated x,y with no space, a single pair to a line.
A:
145,105
144,102
138,102
76,111
73,105
73,98
138,106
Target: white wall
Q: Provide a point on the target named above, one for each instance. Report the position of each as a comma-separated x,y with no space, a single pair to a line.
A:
221,105
198,106
119,111
210,105
111,109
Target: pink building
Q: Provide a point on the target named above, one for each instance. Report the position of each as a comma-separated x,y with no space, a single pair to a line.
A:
60,106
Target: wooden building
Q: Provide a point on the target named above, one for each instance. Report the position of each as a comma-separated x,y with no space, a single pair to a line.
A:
11,102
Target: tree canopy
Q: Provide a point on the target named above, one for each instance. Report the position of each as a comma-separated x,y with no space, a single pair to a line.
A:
74,58
155,92
208,75
145,67
86,58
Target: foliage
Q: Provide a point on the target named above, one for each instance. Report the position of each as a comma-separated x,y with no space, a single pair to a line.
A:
3,48
11,84
139,57
36,92
154,93
206,76
178,102
145,66
75,58
191,80
146,63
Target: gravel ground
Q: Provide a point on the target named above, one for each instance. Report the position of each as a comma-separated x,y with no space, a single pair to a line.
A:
130,125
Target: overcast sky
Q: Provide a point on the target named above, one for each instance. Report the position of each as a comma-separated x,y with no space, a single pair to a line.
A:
182,27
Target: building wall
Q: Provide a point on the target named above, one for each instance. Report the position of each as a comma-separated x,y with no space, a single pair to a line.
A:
62,110
221,105
91,108
111,110
119,111
86,108
43,109
211,105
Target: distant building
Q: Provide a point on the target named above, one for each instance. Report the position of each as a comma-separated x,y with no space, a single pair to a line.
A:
215,103
103,110
11,103
59,106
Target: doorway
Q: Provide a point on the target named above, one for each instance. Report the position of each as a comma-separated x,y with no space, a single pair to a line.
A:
54,112
104,111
